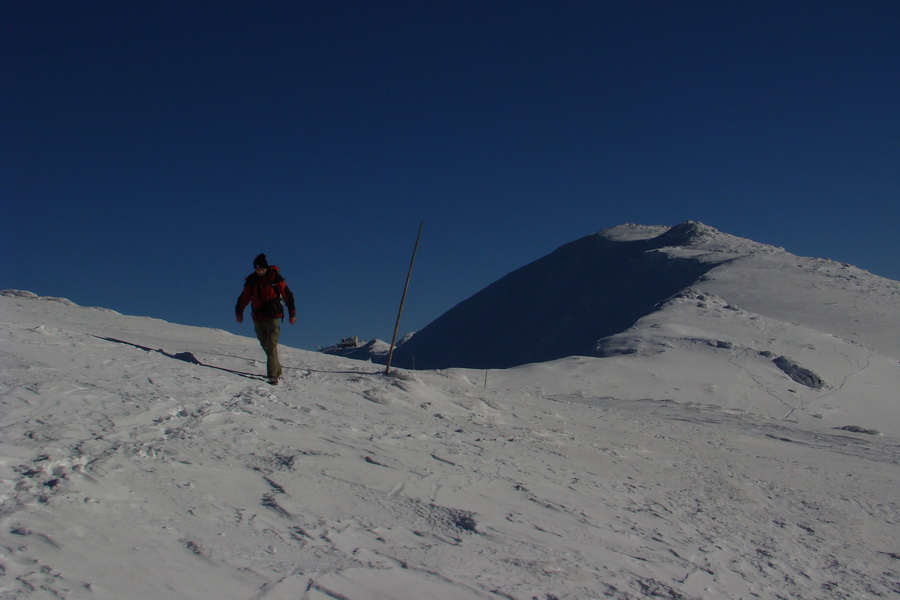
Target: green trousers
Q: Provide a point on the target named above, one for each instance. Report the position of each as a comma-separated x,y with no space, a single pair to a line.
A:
267,333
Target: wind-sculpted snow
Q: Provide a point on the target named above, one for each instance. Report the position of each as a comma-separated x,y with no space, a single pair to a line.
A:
799,374
142,459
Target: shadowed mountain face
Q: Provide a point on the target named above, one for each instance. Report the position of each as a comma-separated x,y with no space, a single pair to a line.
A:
559,305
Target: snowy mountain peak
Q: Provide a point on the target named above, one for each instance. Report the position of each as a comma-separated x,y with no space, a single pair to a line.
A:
683,234
628,232
567,302
692,235
689,233
17,294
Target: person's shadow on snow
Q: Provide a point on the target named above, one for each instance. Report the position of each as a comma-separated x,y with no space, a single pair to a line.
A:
187,357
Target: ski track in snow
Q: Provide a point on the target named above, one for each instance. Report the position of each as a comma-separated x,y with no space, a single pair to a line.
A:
144,460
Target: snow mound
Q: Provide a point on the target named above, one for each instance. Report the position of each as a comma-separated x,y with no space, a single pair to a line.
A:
64,301
577,299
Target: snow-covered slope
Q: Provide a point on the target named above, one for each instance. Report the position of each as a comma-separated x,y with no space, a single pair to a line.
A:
143,459
566,303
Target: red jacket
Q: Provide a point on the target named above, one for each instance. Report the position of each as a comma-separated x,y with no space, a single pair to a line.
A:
264,295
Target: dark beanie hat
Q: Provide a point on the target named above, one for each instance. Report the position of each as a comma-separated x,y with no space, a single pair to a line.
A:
260,261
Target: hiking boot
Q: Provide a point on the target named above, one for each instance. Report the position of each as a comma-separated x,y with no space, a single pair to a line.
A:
273,380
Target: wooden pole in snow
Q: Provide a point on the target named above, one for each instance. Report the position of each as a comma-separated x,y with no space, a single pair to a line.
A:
387,370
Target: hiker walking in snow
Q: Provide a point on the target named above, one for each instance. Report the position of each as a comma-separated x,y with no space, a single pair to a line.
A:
264,290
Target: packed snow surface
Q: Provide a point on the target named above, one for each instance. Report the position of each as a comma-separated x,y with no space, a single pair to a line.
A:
142,459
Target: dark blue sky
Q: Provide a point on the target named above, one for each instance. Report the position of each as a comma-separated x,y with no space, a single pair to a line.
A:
150,150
